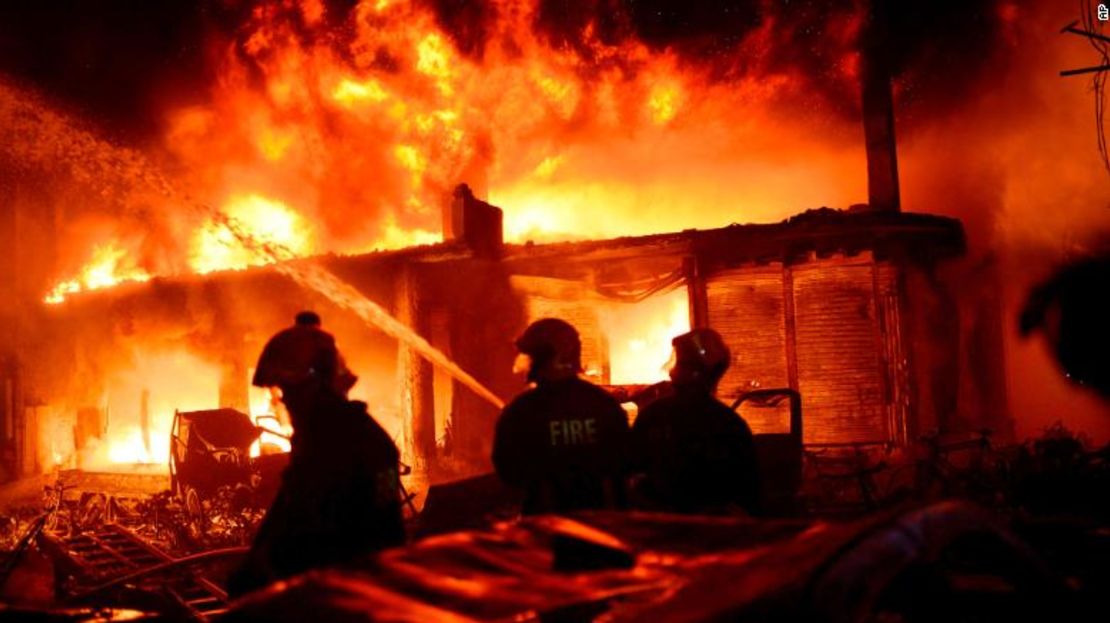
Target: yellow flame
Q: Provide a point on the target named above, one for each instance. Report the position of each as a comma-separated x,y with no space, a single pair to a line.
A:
128,447
396,237
106,269
350,91
274,143
264,220
433,58
265,411
548,167
640,335
664,103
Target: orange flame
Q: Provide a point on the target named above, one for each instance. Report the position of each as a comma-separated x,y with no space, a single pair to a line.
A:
108,267
265,221
639,337
315,143
347,144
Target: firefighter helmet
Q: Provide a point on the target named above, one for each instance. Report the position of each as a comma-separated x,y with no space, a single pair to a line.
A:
700,356
302,353
307,318
551,343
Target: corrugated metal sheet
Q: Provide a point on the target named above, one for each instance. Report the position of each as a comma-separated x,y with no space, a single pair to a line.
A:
896,363
746,307
839,352
849,358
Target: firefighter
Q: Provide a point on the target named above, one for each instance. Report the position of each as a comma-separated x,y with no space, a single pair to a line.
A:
690,452
1070,310
563,442
340,495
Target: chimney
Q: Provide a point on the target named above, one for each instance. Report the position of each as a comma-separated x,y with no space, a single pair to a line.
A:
474,222
878,111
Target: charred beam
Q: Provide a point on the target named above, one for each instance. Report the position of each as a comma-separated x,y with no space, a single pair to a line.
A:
1084,70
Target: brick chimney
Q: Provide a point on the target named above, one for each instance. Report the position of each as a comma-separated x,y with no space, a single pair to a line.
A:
474,222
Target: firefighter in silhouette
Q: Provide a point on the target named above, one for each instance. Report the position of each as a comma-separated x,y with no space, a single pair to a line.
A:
1070,310
563,442
340,495
690,452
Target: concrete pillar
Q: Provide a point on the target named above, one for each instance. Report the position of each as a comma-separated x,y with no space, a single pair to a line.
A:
415,376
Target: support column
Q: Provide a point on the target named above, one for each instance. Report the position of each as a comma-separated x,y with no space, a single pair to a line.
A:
790,325
878,110
416,377
698,297
11,406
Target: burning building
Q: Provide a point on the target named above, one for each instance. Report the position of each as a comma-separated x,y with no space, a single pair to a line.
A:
841,306
330,131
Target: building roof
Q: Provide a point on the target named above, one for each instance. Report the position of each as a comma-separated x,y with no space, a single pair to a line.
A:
923,237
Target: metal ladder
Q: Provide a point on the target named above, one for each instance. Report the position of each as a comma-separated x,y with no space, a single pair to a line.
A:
112,553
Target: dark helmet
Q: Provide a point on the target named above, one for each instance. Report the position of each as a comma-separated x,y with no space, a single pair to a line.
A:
701,357
302,353
307,318
551,342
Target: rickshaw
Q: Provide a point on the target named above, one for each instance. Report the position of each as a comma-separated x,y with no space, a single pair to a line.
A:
210,453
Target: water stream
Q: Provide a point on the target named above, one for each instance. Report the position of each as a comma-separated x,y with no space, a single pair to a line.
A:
34,134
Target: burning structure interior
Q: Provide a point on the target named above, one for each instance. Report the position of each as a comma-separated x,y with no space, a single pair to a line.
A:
842,306
431,177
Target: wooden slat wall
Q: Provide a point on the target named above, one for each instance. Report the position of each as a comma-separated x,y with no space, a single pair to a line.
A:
840,373
746,307
584,316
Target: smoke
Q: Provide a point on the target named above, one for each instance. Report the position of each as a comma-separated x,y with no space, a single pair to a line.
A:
1018,163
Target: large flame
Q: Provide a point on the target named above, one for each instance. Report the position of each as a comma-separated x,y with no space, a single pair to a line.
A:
108,267
265,221
639,336
350,126
347,138
317,138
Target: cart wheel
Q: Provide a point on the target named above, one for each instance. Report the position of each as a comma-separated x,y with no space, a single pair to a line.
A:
196,520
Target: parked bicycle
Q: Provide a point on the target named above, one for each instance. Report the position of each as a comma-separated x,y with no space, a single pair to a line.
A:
846,478
855,478
69,514
966,467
